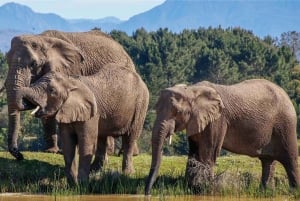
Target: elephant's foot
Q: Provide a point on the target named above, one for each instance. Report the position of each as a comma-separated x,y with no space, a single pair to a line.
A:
96,167
128,171
54,150
16,153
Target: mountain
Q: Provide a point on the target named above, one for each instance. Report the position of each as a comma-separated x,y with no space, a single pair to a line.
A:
19,17
16,19
6,36
267,17
106,24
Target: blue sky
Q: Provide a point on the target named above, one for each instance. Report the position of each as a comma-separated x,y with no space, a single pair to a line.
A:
89,9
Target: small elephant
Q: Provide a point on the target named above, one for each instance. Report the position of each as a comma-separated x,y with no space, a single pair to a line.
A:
32,56
254,118
112,102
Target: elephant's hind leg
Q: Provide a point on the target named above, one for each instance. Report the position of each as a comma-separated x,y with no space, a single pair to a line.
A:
100,155
268,168
128,144
288,152
291,167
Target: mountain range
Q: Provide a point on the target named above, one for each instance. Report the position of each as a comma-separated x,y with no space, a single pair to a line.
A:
265,17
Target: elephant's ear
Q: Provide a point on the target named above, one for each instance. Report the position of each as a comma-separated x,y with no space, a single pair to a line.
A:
207,106
80,106
63,54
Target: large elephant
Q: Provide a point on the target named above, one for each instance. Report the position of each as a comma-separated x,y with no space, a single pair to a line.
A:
31,56
254,117
113,102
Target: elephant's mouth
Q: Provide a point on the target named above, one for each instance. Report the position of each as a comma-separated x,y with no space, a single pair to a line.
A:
174,127
36,110
26,105
171,131
32,105
40,112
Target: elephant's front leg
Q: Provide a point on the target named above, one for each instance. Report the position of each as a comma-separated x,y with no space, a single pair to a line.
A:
69,142
87,141
100,155
204,149
199,169
50,135
128,144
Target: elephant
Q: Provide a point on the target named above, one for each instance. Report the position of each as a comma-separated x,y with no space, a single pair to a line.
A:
70,53
88,109
112,146
254,117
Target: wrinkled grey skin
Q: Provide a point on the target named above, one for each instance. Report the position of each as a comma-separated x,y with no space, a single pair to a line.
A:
112,102
31,56
254,117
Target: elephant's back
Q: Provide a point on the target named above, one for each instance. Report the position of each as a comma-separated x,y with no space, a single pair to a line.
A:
258,96
118,91
261,88
115,84
97,49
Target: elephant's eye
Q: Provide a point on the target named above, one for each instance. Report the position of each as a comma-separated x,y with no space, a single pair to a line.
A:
34,45
43,49
52,91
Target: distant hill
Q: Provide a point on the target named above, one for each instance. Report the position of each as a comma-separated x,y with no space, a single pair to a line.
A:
6,36
106,24
268,17
18,17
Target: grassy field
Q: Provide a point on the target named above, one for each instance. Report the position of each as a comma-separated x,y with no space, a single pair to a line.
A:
43,173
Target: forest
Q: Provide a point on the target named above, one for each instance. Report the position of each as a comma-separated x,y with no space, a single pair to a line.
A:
164,58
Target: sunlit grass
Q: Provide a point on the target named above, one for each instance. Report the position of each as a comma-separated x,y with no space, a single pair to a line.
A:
236,175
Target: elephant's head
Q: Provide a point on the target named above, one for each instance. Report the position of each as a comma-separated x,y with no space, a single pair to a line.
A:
32,56
68,99
178,108
29,58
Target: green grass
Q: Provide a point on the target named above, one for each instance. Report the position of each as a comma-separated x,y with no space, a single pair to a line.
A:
44,173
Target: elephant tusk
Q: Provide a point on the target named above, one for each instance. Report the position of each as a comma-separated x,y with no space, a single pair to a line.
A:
170,140
35,110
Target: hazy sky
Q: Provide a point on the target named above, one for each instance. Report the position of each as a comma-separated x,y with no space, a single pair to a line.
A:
89,9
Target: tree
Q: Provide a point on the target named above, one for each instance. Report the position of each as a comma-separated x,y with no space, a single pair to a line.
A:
3,103
291,39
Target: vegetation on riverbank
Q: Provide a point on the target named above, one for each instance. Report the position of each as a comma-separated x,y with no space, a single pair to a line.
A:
43,173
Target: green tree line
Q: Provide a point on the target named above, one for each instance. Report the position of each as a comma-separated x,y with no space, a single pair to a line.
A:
164,58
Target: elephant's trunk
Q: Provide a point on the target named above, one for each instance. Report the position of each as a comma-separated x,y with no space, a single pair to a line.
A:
15,105
17,79
13,132
161,130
